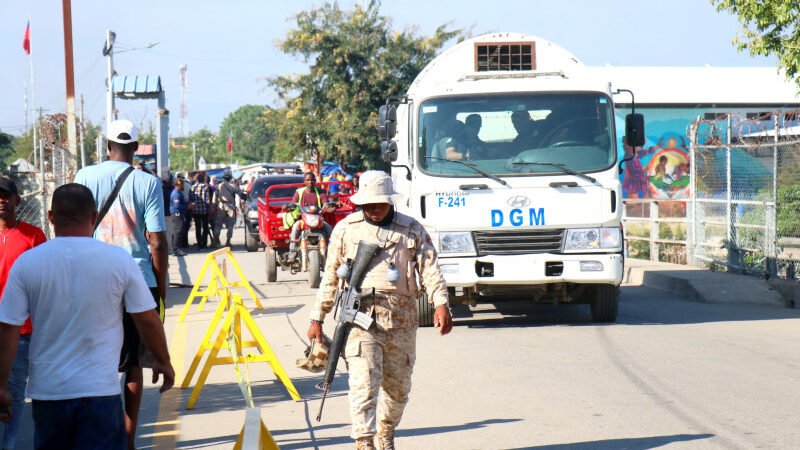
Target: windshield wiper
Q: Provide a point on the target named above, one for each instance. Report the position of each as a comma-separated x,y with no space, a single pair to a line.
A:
563,168
473,167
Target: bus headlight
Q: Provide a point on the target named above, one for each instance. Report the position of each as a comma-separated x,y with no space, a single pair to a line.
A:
456,242
592,239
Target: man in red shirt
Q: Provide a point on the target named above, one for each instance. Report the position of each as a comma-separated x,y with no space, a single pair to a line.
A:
16,237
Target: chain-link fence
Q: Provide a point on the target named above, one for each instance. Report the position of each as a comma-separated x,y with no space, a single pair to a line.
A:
36,187
744,210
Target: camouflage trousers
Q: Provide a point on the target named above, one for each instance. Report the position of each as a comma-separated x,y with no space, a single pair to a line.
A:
379,365
226,220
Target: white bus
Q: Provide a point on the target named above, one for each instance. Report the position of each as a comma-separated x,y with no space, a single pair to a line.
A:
505,149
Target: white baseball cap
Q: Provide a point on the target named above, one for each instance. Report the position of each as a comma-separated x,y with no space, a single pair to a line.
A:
119,128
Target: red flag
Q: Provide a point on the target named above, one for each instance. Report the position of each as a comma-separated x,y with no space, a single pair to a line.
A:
230,141
26,40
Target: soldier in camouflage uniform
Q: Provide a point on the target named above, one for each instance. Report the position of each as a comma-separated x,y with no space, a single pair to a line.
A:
380,360
226,201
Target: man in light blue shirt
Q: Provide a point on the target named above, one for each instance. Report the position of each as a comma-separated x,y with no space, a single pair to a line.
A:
134,222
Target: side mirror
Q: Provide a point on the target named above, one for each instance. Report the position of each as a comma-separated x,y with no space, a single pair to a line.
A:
389,151
387,121
634,130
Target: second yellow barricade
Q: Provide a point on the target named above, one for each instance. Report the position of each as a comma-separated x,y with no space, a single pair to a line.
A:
232,313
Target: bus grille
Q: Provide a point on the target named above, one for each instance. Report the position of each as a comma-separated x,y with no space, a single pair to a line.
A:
509,242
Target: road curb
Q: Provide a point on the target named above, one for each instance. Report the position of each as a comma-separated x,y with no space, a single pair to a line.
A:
701,285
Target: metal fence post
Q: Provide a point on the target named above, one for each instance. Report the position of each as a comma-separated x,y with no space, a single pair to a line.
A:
43,212
729,212
654,231
691,231
772,213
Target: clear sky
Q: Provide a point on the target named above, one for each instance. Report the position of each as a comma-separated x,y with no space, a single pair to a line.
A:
229,46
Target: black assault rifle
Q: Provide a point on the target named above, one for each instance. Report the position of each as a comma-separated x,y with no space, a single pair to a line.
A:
346,304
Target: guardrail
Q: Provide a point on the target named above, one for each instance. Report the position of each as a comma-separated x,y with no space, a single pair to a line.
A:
649,213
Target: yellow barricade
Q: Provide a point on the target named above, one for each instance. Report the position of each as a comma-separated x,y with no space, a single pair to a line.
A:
231,312
219,281
254,435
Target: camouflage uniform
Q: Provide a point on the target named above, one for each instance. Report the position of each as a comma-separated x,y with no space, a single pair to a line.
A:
226,211
380,360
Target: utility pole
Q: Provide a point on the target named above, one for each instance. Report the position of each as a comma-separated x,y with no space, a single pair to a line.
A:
83,137
184,105
26,107
72,129
194,156
108,52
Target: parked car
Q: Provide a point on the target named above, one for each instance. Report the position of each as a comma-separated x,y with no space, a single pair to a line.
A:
260,186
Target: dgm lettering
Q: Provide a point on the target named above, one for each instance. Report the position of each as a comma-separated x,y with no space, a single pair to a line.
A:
516,217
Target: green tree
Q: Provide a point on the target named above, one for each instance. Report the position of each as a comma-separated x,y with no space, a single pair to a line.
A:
252,139
205,142
356,60
7,152
770,28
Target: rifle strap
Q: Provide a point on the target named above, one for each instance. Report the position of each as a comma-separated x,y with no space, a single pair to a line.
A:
112,197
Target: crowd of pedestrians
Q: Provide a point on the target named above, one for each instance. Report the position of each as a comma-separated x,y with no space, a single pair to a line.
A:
208,205
68,329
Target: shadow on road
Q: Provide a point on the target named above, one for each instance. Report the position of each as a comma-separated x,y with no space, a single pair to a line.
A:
622,444
638,306
207,442
340,440
228,397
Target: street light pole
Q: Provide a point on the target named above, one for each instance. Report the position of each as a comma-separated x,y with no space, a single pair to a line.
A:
108,52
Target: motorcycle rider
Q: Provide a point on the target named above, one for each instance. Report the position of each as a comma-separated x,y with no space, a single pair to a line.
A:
308,195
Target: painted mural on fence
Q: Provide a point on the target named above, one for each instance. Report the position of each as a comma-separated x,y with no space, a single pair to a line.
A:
660,169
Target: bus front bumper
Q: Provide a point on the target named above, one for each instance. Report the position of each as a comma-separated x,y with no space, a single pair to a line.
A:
589,268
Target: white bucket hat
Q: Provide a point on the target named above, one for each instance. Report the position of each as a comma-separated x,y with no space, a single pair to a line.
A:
375,186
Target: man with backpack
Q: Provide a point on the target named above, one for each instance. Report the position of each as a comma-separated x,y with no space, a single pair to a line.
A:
132,217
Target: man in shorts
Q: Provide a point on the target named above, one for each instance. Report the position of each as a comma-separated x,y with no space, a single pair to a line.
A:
135,222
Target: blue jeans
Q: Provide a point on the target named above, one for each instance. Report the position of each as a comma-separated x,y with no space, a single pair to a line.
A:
17,381
88,423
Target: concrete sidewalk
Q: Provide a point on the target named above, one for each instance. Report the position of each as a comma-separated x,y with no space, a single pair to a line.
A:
703,285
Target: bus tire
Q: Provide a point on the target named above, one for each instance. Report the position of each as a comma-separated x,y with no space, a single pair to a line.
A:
605,303
425,310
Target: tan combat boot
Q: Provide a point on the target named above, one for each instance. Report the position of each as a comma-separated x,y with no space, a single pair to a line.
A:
365,444
385,440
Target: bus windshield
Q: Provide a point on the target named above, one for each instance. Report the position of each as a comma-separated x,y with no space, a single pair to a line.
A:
508,135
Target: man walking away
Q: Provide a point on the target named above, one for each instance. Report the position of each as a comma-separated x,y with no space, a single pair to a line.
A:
135,222
177,215
16,237
76,309
199,203
226,194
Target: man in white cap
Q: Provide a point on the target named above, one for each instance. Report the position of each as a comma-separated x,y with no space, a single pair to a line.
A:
134,220
380,359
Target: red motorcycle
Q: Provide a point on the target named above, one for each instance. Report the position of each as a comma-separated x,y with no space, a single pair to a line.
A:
312,246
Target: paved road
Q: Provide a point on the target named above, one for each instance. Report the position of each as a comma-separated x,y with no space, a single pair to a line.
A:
669,373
